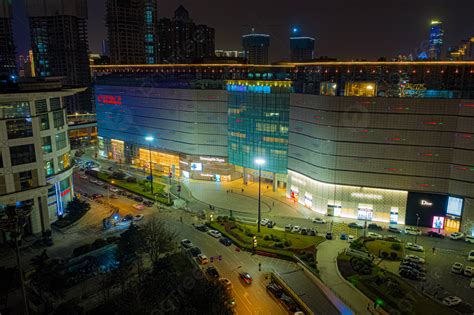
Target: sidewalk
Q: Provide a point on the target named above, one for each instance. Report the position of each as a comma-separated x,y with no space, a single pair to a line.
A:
327,266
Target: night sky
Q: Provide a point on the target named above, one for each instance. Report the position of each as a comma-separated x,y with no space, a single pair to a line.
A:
342,29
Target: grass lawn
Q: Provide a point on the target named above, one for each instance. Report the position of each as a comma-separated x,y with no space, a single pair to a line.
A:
289,244
136,187
377,247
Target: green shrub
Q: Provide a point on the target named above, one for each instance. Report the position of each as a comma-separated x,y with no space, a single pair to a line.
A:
266,237
384,254
131,179
278,245
287,243
309,256
393,255
396,246
312,265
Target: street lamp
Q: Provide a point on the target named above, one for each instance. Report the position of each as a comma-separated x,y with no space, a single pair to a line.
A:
150,140
417,223
259,162
108,194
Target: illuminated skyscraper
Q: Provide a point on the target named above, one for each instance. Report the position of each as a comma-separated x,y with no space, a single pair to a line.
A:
60,46
436,40
301,47
256,48
131,28
7,47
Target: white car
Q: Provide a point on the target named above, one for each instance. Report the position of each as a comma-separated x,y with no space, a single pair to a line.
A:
471,285
187,243
296,229
138,206
469,271
470,256
113,189
93,180
469,239
456,236
452,301
415,259
264,221
350,238
83,176
414,247
214,233
457,268
374,235
288,227
412,231
138,217
319,221
99,183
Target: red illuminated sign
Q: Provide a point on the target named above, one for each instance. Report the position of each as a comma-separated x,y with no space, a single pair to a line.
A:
109,99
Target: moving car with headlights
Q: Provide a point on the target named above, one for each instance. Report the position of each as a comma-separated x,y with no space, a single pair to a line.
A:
246,277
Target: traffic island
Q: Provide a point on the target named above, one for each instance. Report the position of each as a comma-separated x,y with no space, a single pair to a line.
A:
388,291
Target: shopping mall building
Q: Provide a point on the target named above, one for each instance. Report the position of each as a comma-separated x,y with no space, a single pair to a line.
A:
35,161
383,141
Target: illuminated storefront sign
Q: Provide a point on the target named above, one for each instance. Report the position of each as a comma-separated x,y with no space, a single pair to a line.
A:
367,196
438,223
426,203
196,166
109,99
211,159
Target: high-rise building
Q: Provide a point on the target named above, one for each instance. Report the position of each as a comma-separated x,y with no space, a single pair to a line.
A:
131,28
35,160
436,40
105,47
60,45
256,48
463,51
182,41
7,46
301,47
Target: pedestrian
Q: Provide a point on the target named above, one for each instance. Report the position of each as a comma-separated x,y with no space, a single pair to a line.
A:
259,266
210,207
181,219
273,204
242,190
434,250
267,187
231,190
227,191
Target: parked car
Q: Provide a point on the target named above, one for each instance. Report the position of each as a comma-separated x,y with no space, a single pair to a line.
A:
343,236
434,234
288,303
225,241
138,198
469,271
214,233
452,301
392,238
412,231
350,238
374,235
202,228
413,265
414,258
304,231
296,229
354,225
99,183
138,217
373,226
202,259
274,289
456,236
271,224
411,274
264,221
138,206
127,218
225,283
246,277
394,229
470,256
114,196
187,243
328,235
312,232
83,176
93,180
195,251
212,271
113,189
148,203
288,227
457,268
319,221
414,247
97,196
469,239
471,285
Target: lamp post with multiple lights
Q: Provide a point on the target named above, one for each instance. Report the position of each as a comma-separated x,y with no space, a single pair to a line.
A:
259,162
150,139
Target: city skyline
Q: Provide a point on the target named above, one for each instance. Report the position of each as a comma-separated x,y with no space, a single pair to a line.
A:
407,31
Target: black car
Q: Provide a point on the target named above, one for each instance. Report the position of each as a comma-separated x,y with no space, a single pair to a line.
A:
212,271
274,289
394,229
355,225
225,241
289,303
434,234
138,199
328,235
195,251
412,265
312,232
373,226
148,203
271,224
201,227
127,218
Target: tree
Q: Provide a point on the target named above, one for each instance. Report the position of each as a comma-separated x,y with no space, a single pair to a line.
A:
158,239
77,206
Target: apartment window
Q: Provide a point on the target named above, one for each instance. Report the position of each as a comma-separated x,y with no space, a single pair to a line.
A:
55,103
19,128
49,167
278,152
44,121
26,180
277,140
41,106
46,145
64,161
58,119
15,110
266,127
238,135
22,154
61,141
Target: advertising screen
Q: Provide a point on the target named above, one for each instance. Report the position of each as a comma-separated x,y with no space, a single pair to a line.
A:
438,223
454,206
196,166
